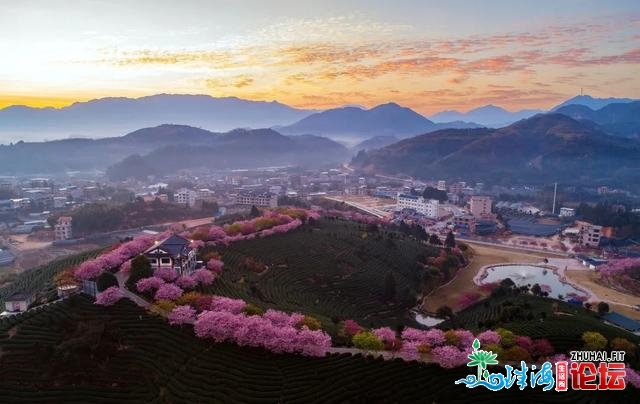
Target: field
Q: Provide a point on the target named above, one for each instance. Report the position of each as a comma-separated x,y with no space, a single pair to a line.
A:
563,329
39,280
122,355
335,270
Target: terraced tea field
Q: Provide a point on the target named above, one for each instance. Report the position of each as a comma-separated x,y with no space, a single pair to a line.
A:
336,269
564,329
122,355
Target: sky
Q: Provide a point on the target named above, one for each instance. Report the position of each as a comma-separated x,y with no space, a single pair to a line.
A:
428,55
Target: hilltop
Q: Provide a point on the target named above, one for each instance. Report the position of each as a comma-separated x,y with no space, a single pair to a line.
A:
551,147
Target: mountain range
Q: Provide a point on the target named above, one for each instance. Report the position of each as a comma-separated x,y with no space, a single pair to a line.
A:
618,119
167,148
543,148
352,123
108,117
488,115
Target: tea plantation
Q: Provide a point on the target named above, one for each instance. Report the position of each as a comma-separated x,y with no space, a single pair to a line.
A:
334,269
77,352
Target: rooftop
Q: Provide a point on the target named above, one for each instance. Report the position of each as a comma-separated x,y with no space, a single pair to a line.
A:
622,321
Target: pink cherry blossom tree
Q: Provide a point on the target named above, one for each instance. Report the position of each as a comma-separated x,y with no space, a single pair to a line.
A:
149,284
168,291
203,276
109,296
182,315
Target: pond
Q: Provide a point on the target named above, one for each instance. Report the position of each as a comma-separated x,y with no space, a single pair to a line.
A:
528,275
427,320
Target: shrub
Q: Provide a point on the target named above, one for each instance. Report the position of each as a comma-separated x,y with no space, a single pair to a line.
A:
252,309
310,322
109,297
386,334
181,315
149,284
524,342
449,357
351,328
189,298
622,344
507,337
105,281
603,308
368,341
516,354
165,305
495,348
140,268
452,338
594,341
168,291
541,348
489,337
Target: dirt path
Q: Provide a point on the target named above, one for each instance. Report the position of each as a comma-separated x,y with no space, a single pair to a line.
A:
451,293
618,301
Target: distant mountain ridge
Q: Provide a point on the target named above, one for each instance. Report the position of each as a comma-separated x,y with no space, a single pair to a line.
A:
107,117
592,102
172,147
357,124
619,119
541,149
488,115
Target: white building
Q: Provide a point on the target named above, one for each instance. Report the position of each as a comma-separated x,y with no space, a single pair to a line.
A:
442,185
19,302
267,199
428,207
480,206
186,196
63,228
567,212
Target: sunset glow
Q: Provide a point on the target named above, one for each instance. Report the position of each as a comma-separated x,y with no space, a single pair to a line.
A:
427,55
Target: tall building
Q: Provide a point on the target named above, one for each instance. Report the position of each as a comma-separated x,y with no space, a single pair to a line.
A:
63,228
186,197
456,188
589,234
442,185
428,207
258,199
480,206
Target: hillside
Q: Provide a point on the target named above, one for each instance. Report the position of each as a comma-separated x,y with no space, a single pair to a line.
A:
619,119
138,358
246,147
236,149
544,148
329,271
111,116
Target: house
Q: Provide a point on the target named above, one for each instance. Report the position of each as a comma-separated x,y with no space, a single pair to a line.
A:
589,234
186,197
63,228
480,206
567,212
428,207
173,252
19,302
267,199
